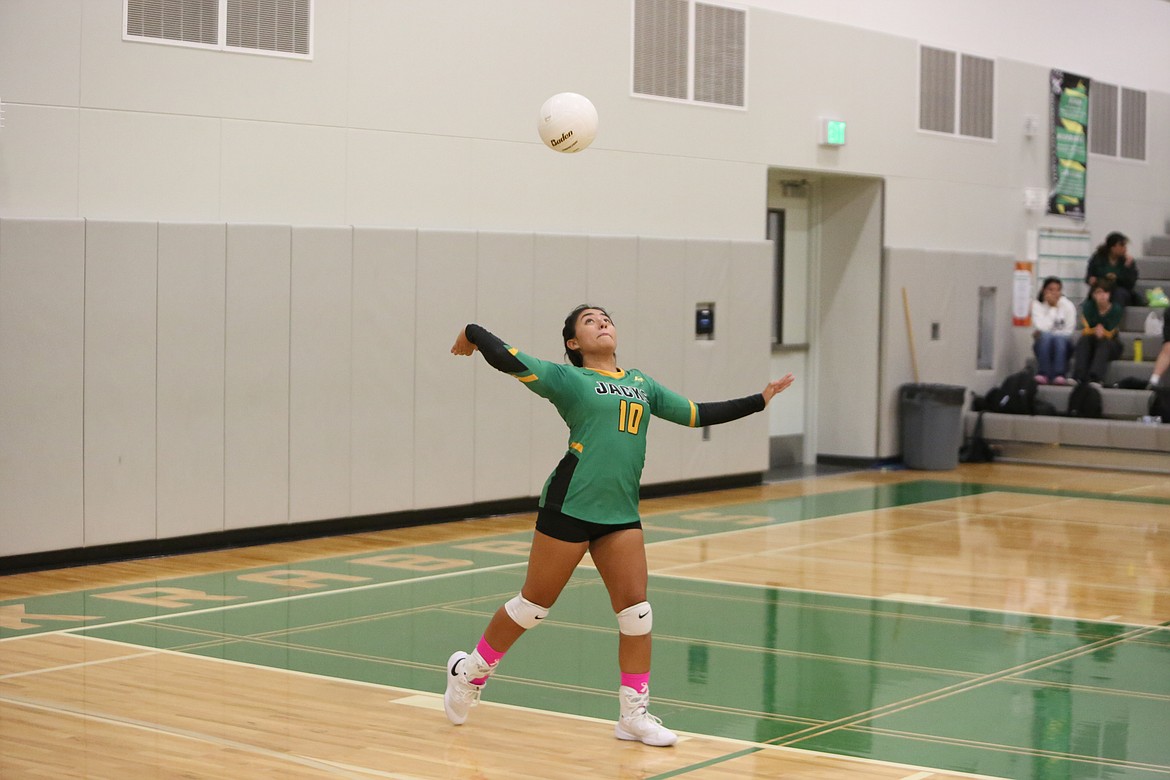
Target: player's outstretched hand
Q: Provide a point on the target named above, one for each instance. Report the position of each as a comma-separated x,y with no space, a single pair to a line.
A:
777,386
462,345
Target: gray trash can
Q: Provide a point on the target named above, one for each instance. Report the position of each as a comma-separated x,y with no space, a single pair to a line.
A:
932,425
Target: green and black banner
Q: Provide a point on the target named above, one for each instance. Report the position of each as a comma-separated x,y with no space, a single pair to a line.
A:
1070,144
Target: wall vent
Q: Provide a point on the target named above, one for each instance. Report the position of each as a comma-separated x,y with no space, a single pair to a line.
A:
956,93
977,97
720,47
190,21
271,26
661,41
690,51
1103,118
936,98
1117,121
1133,124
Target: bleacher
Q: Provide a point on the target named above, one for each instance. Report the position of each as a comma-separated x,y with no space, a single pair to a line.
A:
1120,439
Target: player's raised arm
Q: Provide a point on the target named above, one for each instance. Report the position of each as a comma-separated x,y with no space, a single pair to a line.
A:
463,345
777,386
718,412
677,409
498,355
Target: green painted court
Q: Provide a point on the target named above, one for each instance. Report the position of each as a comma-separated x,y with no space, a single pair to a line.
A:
988,692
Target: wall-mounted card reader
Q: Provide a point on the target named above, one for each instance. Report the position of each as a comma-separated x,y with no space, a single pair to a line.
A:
705,321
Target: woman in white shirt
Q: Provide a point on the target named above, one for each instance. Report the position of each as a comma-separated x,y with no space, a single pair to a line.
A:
1054,318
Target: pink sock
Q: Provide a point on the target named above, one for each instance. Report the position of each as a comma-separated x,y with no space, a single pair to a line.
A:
639,682
489,654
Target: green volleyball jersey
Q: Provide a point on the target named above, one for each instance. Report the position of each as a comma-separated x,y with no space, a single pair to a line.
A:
608,415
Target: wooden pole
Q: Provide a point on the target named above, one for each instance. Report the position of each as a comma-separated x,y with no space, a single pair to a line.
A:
910,334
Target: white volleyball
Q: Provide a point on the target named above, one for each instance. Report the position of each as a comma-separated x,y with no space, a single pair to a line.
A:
568,122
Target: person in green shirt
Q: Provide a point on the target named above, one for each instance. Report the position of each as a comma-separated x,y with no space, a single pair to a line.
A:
1113,264
589,503
1098,344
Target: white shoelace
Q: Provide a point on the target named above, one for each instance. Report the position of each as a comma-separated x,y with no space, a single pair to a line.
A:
643,715
469,694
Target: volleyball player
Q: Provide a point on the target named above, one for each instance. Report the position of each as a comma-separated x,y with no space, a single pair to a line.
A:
589,503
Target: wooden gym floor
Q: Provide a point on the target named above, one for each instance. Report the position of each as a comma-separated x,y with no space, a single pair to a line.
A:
996,621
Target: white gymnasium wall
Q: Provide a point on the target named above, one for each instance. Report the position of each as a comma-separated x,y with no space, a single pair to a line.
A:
952,301
968,195
320,373
421,114
256,375
42,359
415,120
192,306
164,379
382,427
1057,32
121,369
848,318
503,408
445,413
744,315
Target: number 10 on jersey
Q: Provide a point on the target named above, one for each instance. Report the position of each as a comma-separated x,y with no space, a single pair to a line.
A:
630,417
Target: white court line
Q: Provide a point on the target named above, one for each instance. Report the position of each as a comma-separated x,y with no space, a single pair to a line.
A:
80,665
917,598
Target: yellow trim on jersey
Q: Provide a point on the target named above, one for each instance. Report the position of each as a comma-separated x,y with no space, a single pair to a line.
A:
694,413
576,445
529,378
612,374
512,351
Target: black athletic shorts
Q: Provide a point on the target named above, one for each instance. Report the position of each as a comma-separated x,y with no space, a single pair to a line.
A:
569,529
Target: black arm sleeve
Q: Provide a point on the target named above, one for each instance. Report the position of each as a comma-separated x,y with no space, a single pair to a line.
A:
495,352
715,412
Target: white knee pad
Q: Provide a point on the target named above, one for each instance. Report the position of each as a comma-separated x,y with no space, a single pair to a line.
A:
524,612
636,620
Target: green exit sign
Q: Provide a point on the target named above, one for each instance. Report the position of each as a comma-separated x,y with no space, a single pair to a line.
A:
832,132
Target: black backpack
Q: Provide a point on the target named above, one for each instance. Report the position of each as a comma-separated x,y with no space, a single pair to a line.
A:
1085,401
976,449
1046,408
1017,395
1160,403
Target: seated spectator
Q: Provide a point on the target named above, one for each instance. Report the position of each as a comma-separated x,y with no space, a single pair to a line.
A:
1113,263
1054,318
1098,344
1163,360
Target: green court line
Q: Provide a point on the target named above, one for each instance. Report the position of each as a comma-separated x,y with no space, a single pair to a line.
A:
704,764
